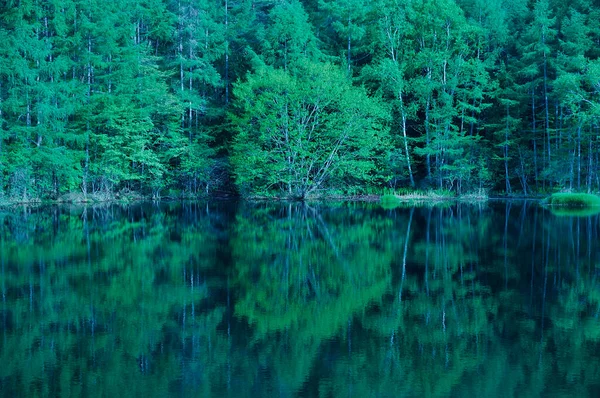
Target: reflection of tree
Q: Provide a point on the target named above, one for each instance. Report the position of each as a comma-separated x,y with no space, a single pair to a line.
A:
474,319
92,299
423,339
571,338
302,275
282,299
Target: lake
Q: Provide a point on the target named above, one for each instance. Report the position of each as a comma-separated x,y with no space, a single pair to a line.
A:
282,300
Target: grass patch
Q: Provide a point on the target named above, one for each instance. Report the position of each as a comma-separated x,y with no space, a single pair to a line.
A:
567,199
478,196
418,197
389,198
437,194
409,204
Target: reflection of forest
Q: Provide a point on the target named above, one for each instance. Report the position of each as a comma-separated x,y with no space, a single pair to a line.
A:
263,300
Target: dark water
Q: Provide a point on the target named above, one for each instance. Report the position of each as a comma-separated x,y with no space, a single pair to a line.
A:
344,300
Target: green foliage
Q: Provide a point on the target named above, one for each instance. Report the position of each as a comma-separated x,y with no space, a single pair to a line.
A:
573,200
297,134
156,97
389,200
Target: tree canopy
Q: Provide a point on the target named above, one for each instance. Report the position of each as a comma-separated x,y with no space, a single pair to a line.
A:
297,97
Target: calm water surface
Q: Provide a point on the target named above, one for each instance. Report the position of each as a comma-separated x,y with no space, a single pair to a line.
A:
348,300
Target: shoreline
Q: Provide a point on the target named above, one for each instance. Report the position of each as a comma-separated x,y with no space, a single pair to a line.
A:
367,198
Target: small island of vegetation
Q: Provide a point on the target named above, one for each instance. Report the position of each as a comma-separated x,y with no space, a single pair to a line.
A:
573,204
569,199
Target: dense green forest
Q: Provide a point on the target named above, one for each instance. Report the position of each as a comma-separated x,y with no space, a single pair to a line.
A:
297,98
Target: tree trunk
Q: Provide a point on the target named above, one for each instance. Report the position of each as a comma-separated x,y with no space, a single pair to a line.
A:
227,52
589,176
506,176
412,180
349,60
535,166
427,138
180,53
579,157
547,122
572,166
1,122
522,176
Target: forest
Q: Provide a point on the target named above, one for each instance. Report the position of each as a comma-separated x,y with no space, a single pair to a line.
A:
294,99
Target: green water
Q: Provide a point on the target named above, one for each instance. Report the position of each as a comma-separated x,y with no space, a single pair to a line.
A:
348,300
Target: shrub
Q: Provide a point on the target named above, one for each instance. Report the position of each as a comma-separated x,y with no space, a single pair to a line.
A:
572,200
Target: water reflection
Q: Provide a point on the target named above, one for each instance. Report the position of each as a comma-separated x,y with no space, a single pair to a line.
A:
286,299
